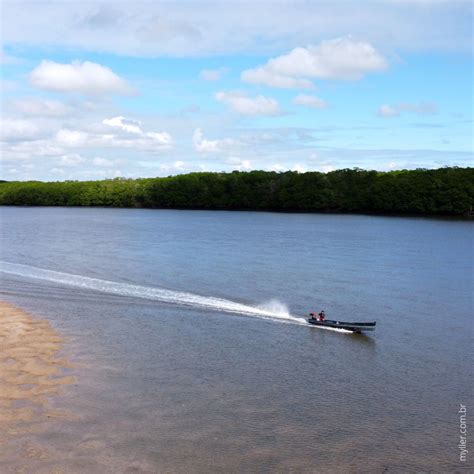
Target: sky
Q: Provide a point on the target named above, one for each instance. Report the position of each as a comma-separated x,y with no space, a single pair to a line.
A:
94,90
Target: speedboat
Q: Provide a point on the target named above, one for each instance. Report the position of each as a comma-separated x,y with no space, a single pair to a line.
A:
354,327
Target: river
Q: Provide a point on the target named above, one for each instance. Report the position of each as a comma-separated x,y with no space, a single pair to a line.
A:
192,350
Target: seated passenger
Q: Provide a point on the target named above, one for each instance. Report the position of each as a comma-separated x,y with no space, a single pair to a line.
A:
322,316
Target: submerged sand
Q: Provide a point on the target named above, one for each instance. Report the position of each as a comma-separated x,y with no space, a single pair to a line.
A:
31,371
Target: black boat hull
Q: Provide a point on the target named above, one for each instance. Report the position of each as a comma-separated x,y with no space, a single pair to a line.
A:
348,326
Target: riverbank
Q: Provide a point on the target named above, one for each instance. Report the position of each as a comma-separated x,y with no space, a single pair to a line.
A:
31,371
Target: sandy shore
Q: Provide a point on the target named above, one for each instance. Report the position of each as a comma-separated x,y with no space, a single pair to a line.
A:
30,372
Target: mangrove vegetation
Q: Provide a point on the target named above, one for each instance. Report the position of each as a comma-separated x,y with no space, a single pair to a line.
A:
444,191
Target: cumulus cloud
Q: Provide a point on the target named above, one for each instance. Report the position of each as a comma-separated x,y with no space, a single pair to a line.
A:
78,77
423,108
203,145
132,127
310,101
213,74
252,106
27,140
341,58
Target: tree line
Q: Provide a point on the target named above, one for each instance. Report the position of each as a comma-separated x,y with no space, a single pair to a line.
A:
444,191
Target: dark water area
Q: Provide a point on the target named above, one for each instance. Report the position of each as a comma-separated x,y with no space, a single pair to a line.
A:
192,350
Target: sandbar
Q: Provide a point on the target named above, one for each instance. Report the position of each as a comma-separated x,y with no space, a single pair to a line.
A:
31,371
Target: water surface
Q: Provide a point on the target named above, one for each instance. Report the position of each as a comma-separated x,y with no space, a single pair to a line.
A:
194,356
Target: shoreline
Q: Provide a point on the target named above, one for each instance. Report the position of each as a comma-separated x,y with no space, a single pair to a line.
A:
31,371
434,217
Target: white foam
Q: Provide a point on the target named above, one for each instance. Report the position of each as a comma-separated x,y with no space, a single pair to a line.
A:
273,310
342,331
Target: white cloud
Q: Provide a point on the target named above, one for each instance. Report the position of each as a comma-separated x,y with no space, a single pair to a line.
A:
12,130
73,159
161,29
299,168
217,28
131,126
244,105
103,162
203,145
213,74
310,101
32,149
263,76
41,107
162,138
71,138
423,108
82,77
176,166
341,58
26,140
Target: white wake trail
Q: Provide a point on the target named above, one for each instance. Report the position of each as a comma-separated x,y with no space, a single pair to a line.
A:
273,310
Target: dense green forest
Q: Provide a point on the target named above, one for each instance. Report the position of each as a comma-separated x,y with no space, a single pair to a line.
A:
445,191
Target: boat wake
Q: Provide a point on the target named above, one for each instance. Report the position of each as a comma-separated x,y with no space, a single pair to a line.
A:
274,310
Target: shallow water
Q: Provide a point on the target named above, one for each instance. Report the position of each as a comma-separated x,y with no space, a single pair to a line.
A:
176,321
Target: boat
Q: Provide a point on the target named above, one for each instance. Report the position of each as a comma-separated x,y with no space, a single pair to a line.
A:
348,326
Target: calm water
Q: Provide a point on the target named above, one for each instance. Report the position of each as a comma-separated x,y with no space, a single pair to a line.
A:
192,353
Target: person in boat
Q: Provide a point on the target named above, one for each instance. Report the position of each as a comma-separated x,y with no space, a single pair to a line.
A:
312,315
322,316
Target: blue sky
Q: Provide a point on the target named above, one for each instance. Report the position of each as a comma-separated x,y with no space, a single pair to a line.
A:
95,90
